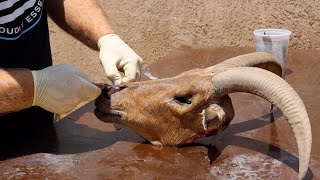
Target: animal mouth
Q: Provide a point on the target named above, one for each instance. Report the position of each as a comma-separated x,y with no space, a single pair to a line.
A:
108,90
103,101
110,116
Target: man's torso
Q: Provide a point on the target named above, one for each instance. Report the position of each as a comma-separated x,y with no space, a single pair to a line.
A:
24,43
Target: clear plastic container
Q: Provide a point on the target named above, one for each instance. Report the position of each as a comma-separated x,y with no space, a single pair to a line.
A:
275,41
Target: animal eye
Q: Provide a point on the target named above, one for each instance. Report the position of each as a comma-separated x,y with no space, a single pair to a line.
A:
183,99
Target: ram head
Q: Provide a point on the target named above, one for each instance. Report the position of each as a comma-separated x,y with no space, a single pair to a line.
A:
178,110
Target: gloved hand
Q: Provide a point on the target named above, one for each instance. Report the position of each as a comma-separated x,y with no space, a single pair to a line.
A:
60,88
116,55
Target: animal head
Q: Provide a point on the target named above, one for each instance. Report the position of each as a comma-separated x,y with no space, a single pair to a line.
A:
177,111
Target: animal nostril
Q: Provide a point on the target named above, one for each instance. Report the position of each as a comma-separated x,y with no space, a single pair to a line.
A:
183,100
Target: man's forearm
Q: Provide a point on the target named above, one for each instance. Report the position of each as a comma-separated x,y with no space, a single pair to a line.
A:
84,19
16,90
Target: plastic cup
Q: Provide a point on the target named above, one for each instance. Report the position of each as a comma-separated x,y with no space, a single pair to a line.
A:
275,41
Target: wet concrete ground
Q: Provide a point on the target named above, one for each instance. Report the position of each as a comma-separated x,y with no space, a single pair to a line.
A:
257,145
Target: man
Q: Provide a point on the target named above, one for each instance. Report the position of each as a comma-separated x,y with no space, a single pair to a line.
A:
24,43
31,89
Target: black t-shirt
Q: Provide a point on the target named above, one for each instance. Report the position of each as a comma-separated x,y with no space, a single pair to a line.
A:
24,43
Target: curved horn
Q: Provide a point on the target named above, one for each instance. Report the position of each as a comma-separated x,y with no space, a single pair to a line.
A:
262,60
278,92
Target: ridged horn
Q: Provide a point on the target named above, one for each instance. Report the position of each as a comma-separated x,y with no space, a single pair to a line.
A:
278,92
261,60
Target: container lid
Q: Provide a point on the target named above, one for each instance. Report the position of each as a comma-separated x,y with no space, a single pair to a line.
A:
272,34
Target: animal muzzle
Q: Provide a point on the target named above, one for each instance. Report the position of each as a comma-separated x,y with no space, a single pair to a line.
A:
103,101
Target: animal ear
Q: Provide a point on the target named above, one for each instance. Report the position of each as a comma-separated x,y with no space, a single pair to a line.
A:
261,60
219,114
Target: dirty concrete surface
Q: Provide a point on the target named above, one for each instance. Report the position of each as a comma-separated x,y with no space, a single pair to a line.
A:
154,27
257,145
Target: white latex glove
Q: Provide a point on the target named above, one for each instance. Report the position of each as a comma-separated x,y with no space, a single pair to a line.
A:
60,88
115,55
